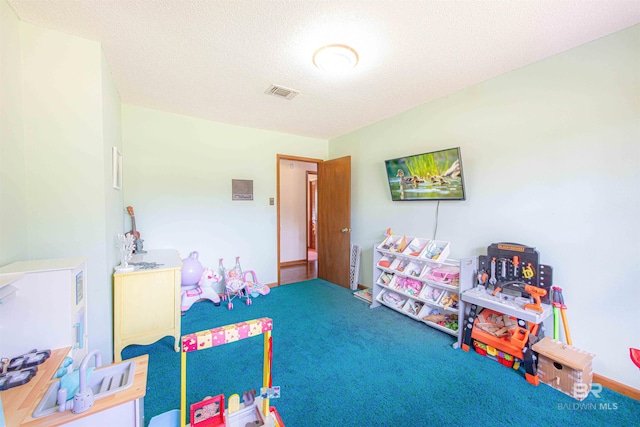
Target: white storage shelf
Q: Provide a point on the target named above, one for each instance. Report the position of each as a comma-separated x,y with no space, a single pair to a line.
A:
415,277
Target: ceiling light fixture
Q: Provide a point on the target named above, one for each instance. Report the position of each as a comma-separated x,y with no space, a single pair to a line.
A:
335,58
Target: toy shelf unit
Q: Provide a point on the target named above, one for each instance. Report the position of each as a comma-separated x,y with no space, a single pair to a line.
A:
44,306
508,299
414,276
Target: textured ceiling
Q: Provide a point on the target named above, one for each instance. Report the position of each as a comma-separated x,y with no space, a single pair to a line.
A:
214,59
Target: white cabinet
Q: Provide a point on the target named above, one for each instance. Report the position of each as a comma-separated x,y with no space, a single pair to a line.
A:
45,307
414,276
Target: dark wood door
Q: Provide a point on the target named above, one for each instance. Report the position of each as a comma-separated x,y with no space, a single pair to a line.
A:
334,220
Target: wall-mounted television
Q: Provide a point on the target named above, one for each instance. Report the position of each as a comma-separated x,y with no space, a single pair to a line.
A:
429,176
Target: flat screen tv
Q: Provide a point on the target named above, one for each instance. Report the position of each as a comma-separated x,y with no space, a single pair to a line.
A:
429,176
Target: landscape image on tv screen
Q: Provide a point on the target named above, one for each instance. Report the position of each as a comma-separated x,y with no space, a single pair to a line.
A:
429,176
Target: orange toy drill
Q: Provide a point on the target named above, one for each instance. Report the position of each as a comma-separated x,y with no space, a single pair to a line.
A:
535,293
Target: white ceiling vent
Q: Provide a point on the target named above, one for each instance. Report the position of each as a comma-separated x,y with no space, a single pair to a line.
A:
281,92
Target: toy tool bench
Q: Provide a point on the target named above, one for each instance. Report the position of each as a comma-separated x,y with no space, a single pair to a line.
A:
508,302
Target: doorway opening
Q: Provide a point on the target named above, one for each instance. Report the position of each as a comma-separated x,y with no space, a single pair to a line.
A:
297,219
312,216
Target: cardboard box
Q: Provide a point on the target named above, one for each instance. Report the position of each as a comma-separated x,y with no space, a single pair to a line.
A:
564,367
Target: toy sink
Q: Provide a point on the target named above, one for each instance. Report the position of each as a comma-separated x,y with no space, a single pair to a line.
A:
104,381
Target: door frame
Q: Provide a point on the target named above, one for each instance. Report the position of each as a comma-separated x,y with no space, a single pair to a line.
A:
280,157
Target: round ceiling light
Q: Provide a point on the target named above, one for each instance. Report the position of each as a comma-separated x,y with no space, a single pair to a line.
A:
335,58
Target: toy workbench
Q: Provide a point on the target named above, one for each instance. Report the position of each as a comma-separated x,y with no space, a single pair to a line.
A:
509,301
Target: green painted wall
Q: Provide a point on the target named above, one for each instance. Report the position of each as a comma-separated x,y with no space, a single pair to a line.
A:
13,194
177,176
551,159
62,118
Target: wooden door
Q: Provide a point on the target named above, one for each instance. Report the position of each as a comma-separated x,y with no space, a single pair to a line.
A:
334,220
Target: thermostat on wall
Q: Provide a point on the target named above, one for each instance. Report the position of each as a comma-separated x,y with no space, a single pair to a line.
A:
241,189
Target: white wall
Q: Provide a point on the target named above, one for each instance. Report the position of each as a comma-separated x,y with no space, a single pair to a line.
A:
177,177
293,209
62,117
13,194
551,160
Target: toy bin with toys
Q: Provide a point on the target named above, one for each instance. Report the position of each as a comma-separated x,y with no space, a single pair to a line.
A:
392,299
415,247
435,251
406,285
395,243
439,319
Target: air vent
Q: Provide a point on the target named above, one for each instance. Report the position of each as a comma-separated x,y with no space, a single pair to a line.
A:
281,92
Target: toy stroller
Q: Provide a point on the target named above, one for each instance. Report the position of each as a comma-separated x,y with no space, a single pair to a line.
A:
237,285
234,285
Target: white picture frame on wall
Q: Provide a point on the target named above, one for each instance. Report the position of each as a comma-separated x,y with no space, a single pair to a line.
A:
116,168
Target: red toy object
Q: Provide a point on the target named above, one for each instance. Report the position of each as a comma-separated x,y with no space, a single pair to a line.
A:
208,412
635,356
503,358
275,413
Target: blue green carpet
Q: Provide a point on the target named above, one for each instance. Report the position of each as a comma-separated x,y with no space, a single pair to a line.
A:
340,363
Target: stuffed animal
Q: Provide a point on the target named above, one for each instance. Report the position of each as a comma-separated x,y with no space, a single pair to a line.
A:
450,301
435,318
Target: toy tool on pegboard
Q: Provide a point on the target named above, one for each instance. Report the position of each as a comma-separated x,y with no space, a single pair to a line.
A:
559,311
510,267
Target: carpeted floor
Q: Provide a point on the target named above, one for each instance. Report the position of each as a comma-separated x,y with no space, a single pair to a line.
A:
339,363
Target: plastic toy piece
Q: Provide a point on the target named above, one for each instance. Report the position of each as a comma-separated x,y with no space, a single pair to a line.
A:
492,279
528,272
234,403
482,277
536,293
558,305
203,290
556,320
248,397
208,413
520,337
503,268
532,379
27,360
634,353
16,378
